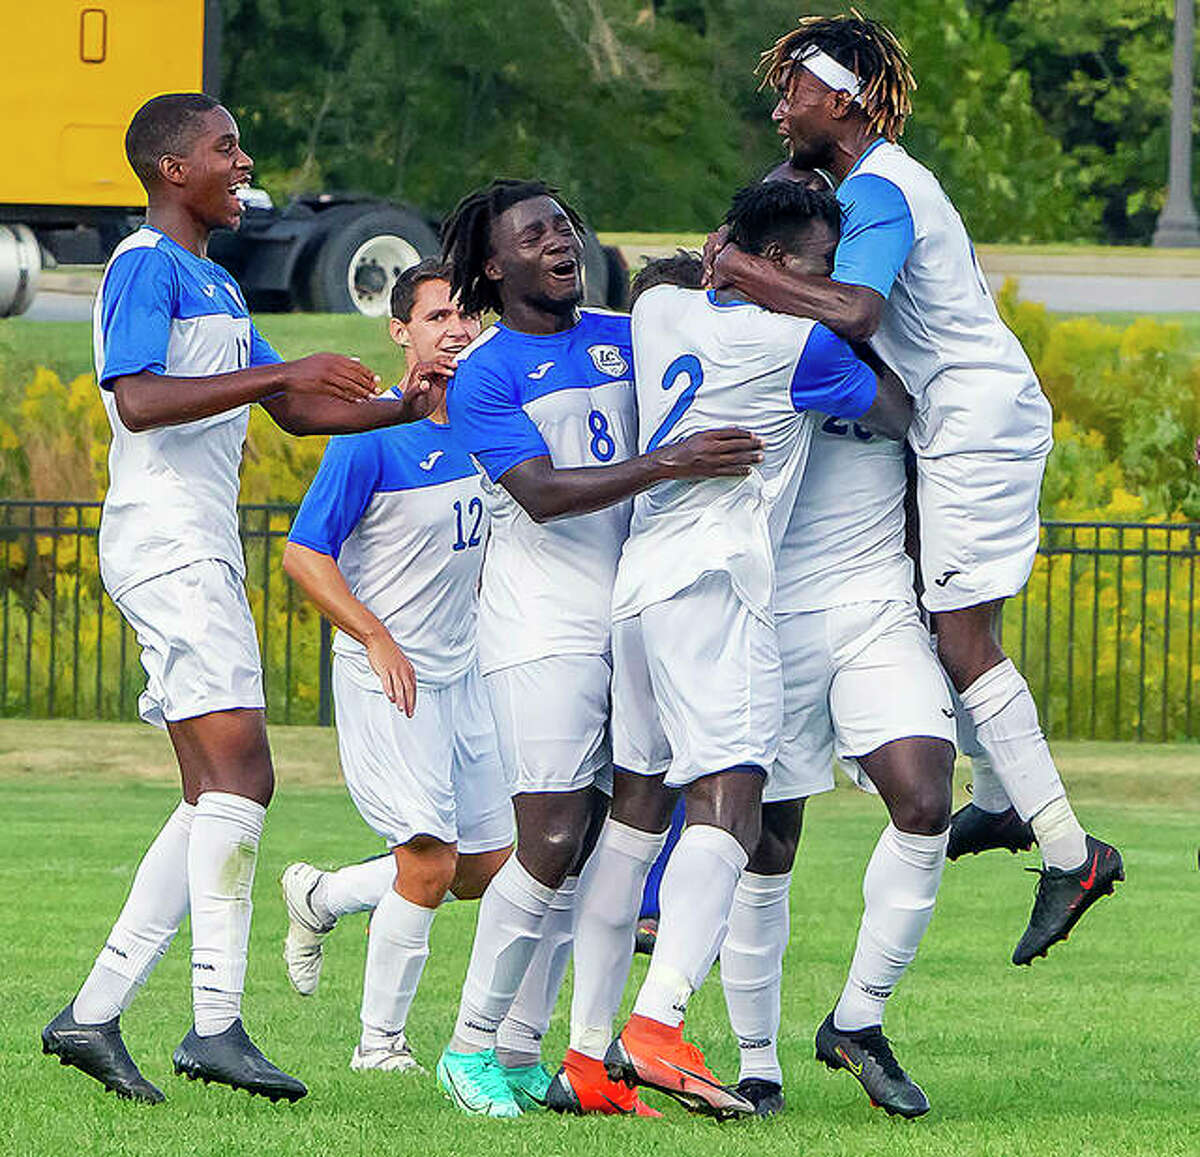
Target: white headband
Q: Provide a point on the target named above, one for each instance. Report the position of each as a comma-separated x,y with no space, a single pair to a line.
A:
825,68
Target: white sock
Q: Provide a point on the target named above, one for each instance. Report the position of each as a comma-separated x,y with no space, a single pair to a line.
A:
1006,723
396,953
222,854
519,1037
610,898
154,909
1062,842
987,792
507,932
354,888
899,889
752,970
694,903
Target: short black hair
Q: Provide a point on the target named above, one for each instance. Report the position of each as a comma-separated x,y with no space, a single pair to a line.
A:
164,125
467,237
781,212
684,268
404,291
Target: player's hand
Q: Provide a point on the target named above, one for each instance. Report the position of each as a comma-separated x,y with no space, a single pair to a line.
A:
713,246
728,452
395,672
331,376
423,387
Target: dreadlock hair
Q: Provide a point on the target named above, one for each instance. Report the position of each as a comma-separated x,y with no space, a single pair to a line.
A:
684,268
467,237
164,126
865,47
781,212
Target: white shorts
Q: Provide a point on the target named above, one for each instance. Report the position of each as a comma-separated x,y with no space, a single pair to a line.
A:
199,646
855,677
437,774
979,527
552,722
697,686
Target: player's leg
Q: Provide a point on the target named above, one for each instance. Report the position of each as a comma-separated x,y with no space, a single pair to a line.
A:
316,900
551,719
979,531
226,766
611,887
752,954
716,675
904,743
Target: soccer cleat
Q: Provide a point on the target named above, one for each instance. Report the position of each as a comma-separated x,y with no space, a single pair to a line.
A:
231,1058
99,1051
973,830
582,1086
1062,897
765,1096
867,1056
303,951
528,1085
394,1057
475,1083
646,935
655,1055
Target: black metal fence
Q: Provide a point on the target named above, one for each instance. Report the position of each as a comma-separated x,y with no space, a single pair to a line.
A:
1106,632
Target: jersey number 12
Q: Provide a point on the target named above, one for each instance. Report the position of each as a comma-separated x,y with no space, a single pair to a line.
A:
474,508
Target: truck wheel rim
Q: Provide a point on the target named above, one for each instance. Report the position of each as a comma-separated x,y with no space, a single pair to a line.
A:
373,269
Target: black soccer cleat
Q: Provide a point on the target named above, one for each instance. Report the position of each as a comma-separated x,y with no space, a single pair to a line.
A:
1062,897
765,1096
646,936
867,1056
973,830
99,1051
231,1058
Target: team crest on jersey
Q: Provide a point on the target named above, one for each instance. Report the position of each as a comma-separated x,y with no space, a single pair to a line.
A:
609,360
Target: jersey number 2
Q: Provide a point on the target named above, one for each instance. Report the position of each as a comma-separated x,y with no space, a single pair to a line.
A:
474,507
688,366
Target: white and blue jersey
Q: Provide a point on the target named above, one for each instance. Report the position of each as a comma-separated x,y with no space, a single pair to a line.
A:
974,387
401,510
172,493
703,364
547,589
844,540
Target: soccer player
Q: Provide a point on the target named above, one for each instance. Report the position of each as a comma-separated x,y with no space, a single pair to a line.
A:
905,276
697,688
179,363
544,400
388,543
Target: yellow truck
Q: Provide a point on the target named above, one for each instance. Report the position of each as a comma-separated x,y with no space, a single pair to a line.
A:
76,72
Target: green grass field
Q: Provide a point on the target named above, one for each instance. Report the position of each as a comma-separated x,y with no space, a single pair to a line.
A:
1092,1051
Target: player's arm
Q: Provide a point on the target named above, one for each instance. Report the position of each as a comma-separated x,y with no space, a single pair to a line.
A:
422,390
852,311
546,491
831,376
877,236
318,576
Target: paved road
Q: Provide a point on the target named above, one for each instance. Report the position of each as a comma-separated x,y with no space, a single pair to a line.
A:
1070,293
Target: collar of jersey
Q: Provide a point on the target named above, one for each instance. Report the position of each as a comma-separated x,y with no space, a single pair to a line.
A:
866,153
175,245
735,304
540,336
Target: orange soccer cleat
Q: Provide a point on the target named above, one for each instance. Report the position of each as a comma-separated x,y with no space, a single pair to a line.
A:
655,1055
582,1086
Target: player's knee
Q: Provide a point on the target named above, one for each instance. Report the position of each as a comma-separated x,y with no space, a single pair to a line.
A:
425,870
551,856
776,849
924,809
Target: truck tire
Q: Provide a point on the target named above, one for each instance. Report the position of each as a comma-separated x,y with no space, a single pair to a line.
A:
20,269
361,255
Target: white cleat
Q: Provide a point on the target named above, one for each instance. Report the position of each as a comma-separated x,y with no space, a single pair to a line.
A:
303,951
396,1057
